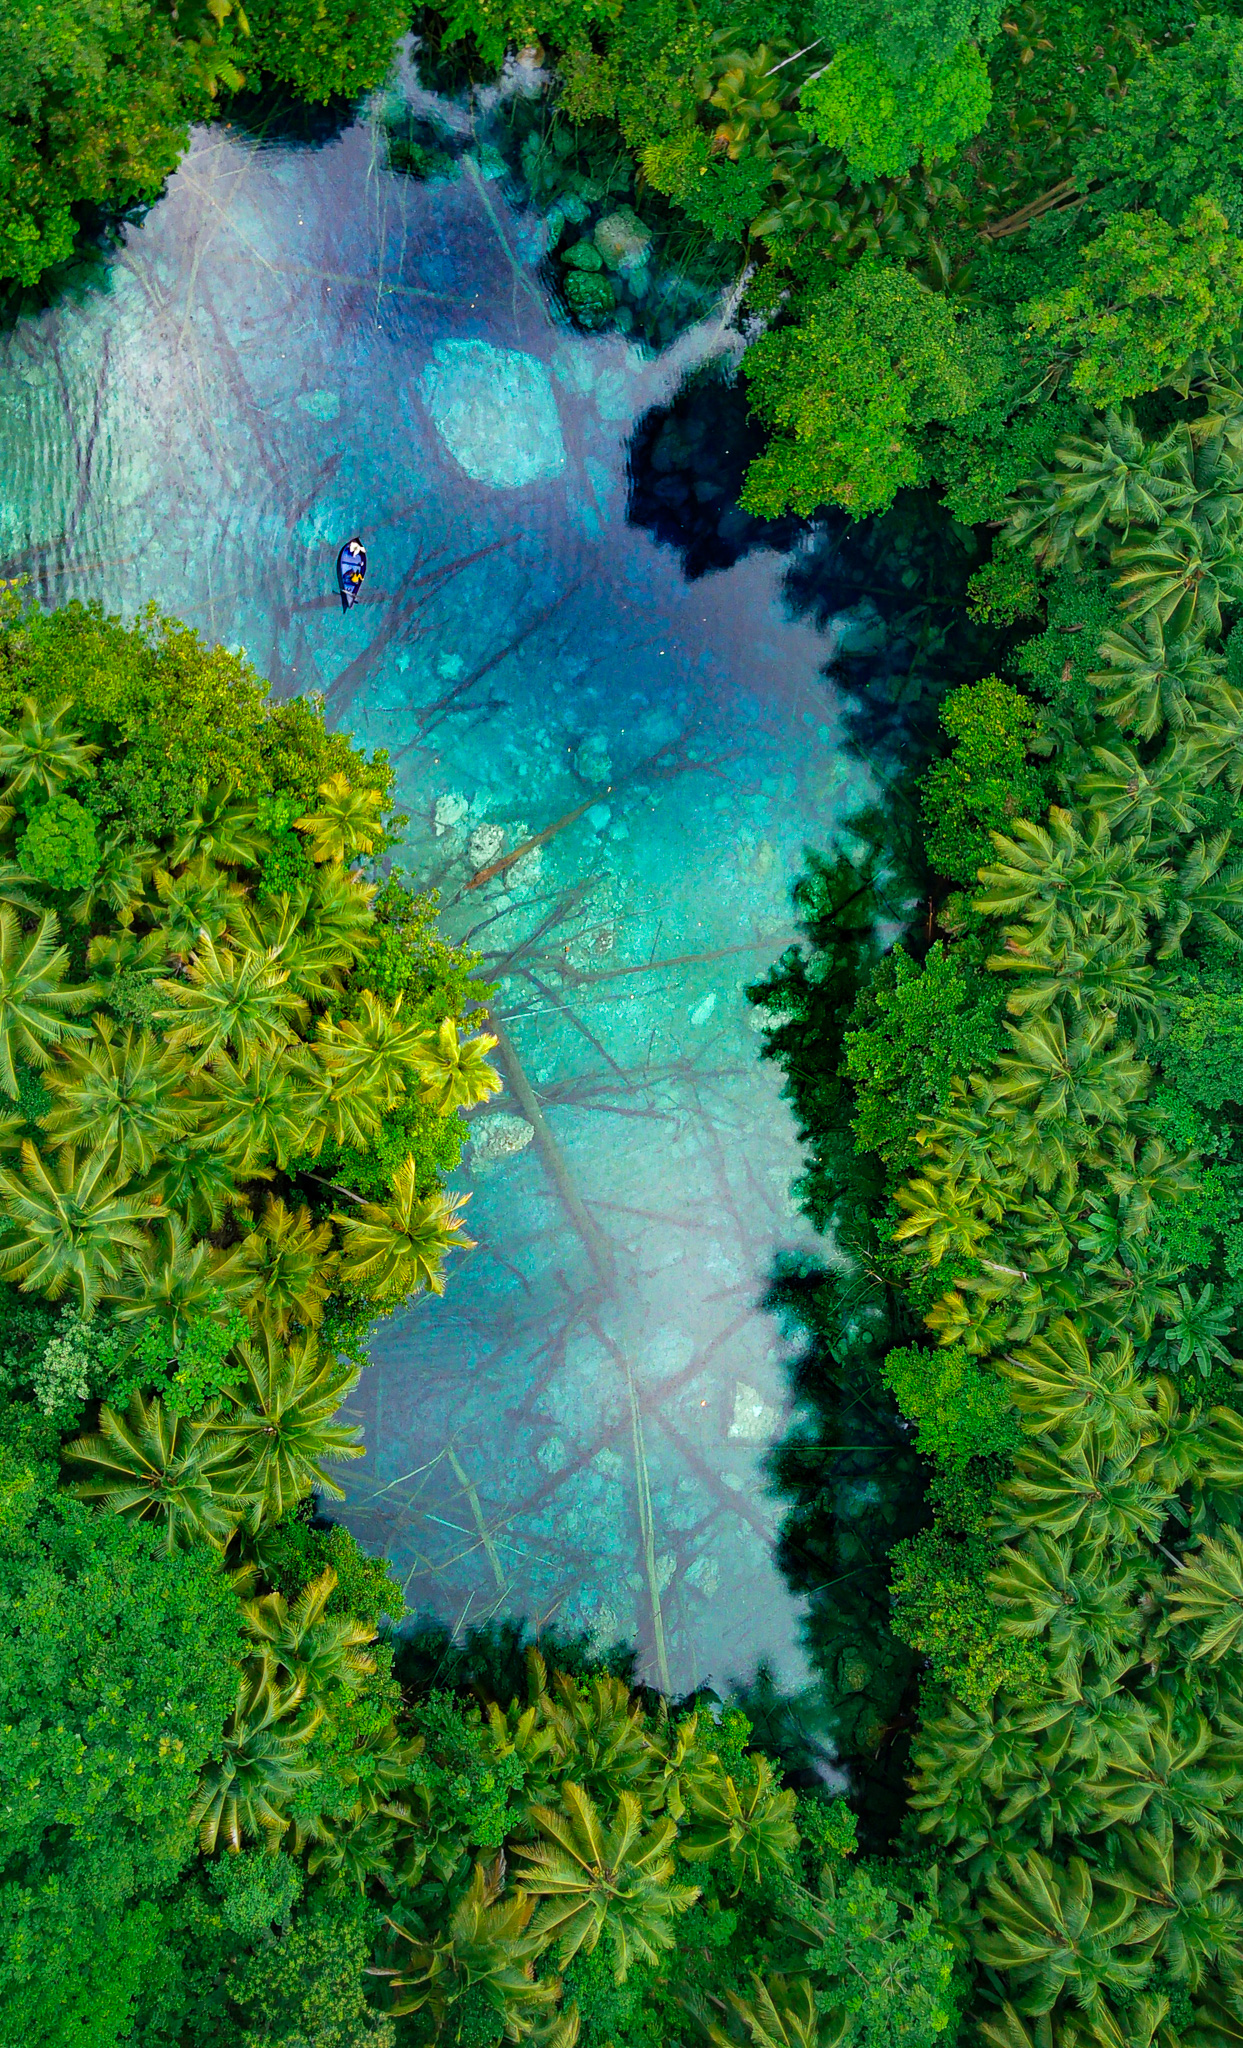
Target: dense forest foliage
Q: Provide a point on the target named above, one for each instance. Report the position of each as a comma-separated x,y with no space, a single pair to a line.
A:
234,1807
994,258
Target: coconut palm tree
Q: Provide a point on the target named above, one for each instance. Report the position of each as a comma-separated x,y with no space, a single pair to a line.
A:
120,1092
223,829
355,1850
1190,1887
154,1466
1073,1071
1079,1490
1063,1390
1180,575
193,1177
35,1006
946,1213
341,924
285,927
780,2013
597,1734
198,899
304,1641
753,1824
1076,1598
1154,680
1165,1772
392,1249
70,1226
281,1426
1102,974
1067,881
347,822
596,1880
350,1112
380,1048
1156,799
1056,1935
1146,1176
118,885
291,1264
178,1280
1204,889
485,1956
112,954
265,1112
245,1793
41,752
1207,1596
455,1071
1144,2025
1111,477
23,891
238,1002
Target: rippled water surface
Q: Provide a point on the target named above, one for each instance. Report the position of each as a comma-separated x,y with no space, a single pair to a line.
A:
298,344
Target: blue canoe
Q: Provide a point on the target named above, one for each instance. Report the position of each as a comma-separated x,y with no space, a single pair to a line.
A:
351,568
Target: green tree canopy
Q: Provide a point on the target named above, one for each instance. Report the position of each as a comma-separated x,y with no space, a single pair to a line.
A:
115,1677
849,388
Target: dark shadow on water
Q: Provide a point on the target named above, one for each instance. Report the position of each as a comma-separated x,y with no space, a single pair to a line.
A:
853,1487
888,593
492,1662
273,118
686,463
449,68
101,232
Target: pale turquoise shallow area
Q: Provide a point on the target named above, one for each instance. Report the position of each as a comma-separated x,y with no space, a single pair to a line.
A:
297,345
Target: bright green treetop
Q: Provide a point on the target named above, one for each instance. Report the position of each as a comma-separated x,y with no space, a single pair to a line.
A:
850,388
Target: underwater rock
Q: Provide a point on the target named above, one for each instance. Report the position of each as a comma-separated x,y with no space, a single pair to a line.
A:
498,1137
450,809
592,761
704,1576
322,405
755,1420
598,817
666,1567
614,396
768,1020
495,412
858,631
552,1454
703,1009
526,872
583,256
485,844
605,1629
854,1670
622,239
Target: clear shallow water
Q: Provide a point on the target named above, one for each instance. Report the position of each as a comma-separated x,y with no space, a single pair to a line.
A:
296,345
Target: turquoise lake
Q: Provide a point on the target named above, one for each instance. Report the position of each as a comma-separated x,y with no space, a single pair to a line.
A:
298,344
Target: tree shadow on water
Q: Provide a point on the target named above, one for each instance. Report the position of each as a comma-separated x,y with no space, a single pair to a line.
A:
686,462
83,275
888,593
272,117
852,1488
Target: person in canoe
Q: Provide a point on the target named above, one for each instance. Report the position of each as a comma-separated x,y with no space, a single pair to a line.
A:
351,568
